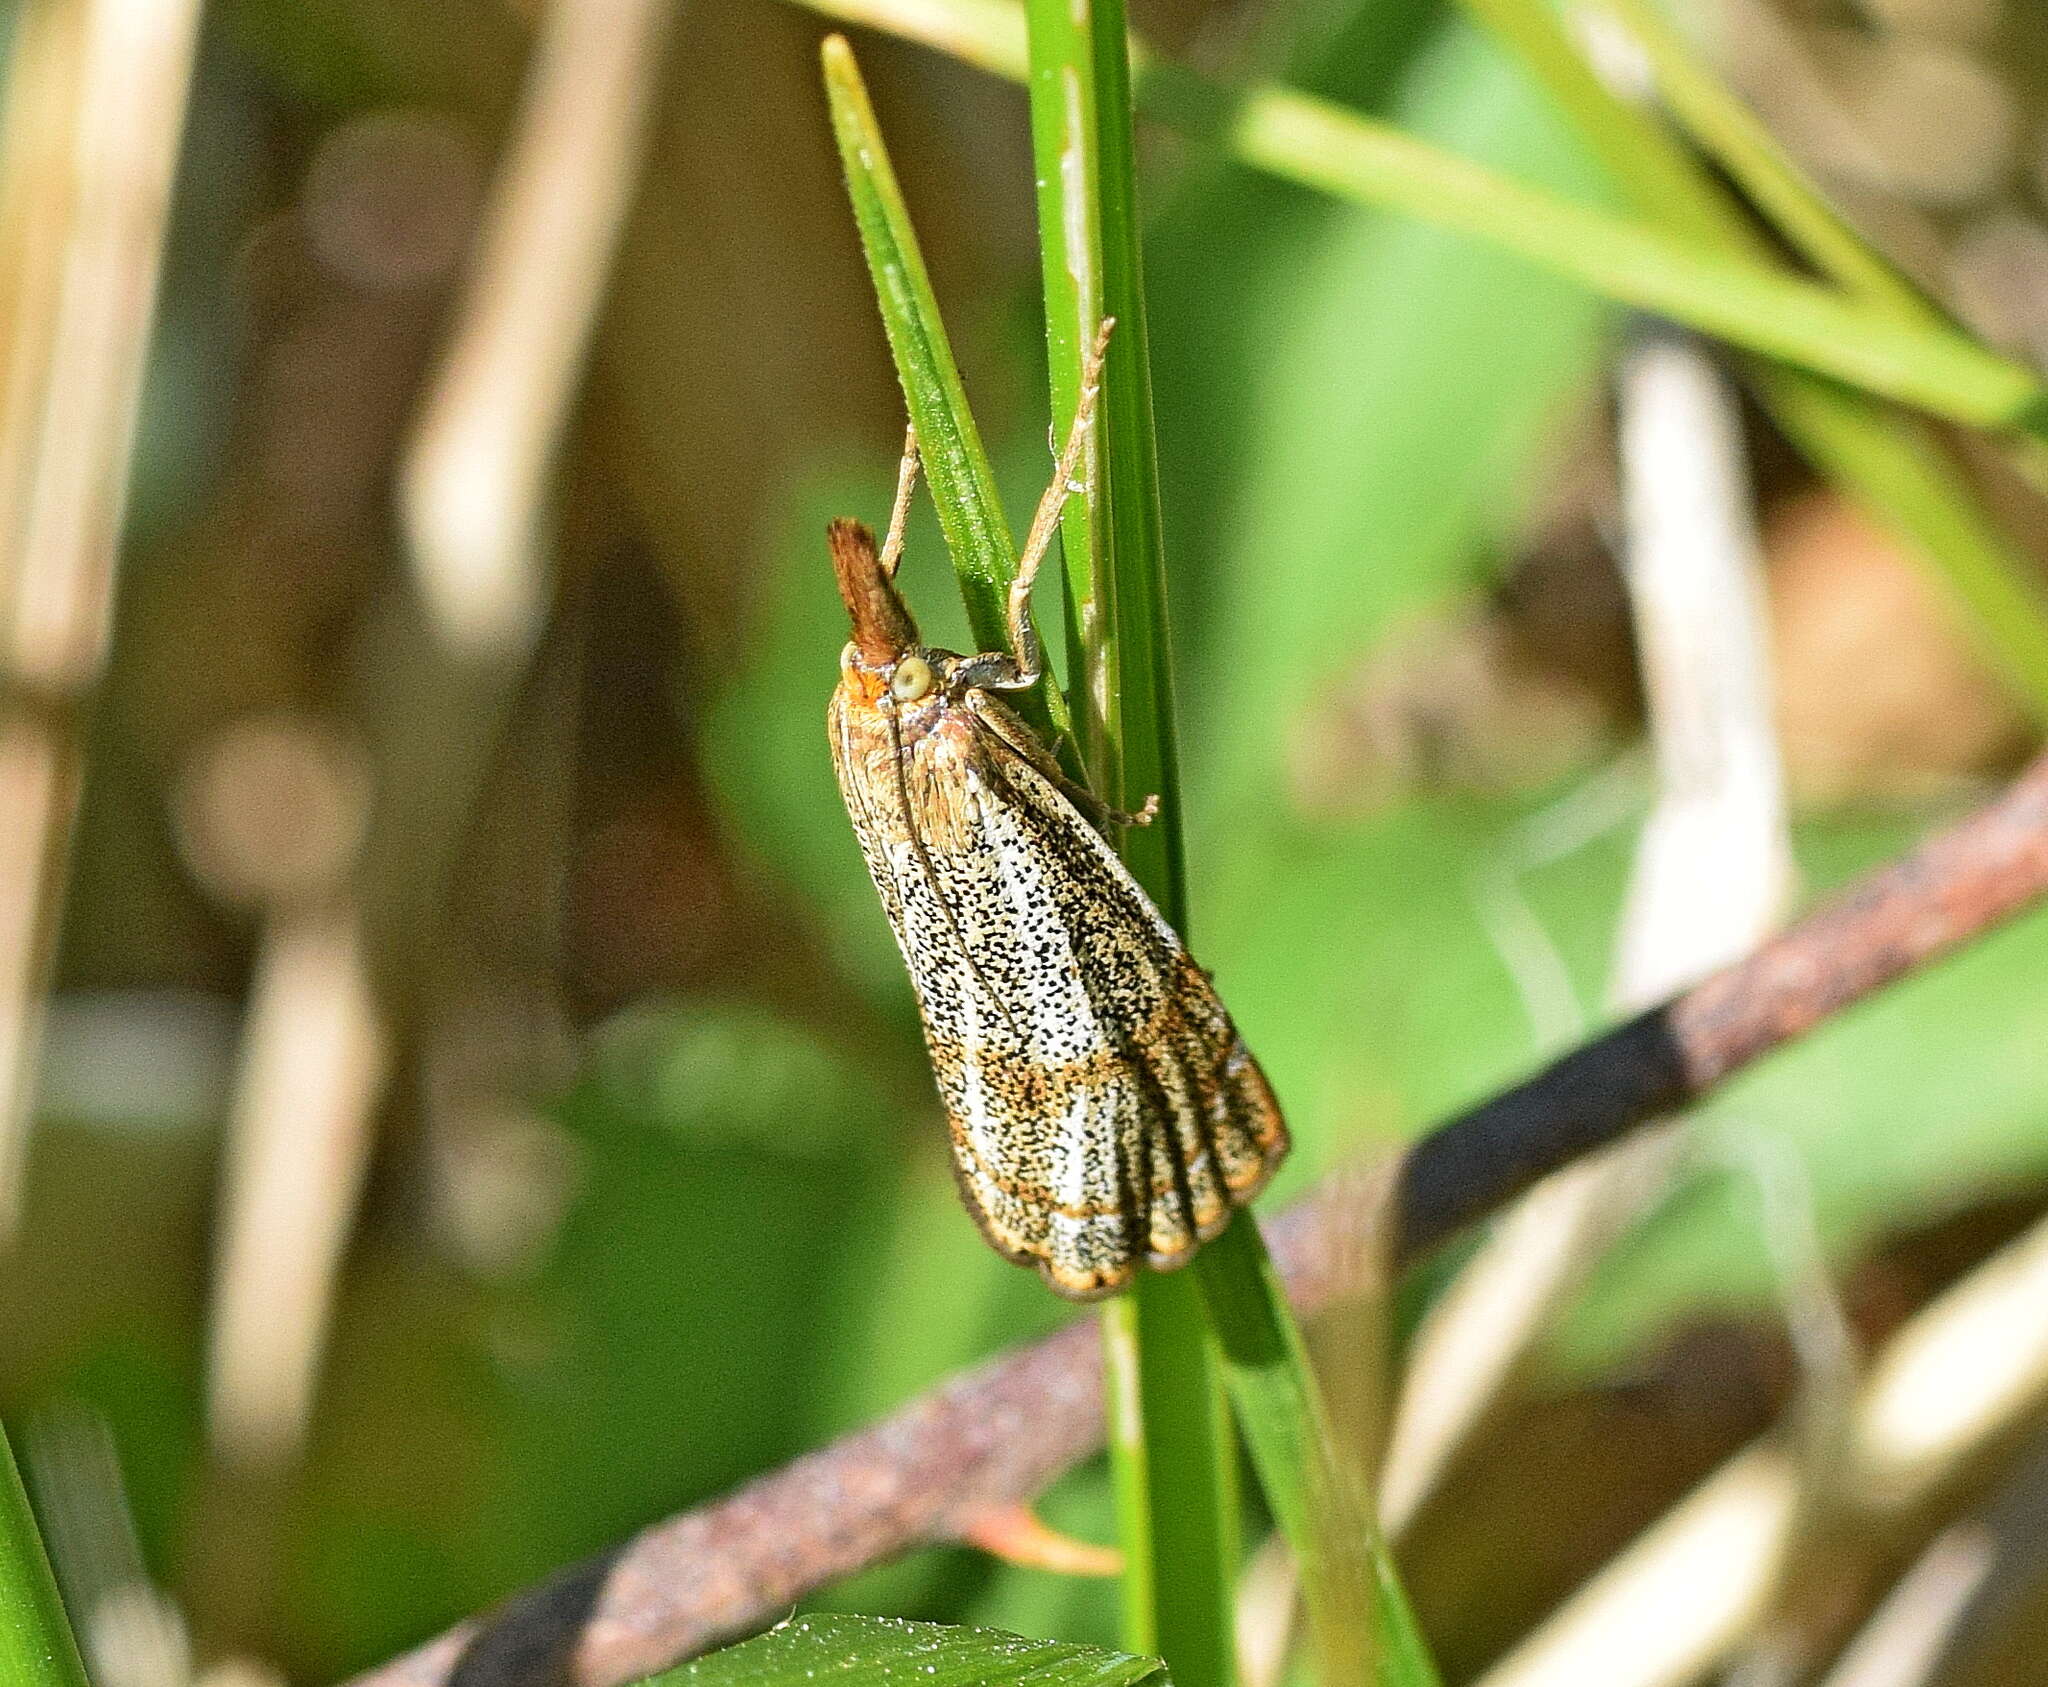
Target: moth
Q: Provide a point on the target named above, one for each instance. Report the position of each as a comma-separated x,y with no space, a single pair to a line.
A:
1104,1111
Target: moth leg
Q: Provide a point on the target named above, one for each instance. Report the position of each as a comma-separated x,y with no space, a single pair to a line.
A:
1093,809
899,512
1023,635
1099,814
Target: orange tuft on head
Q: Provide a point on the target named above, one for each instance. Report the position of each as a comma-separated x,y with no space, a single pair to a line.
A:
882,627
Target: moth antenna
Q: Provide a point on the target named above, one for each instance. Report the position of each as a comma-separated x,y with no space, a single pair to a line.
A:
1023,640
899,512
882,625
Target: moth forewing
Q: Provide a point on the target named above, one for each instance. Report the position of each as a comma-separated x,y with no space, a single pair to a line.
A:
1104,1112
1148,1049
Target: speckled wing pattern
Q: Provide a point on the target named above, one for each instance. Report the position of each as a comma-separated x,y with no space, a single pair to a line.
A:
1104,1111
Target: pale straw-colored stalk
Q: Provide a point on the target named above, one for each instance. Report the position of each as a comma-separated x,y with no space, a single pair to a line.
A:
473,486
271,816
1905,1640
1711,878
96,101
1951,1386
313,1064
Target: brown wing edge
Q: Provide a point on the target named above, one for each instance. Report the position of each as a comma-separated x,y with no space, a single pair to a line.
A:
1274,1145
1246,1140
1019,1254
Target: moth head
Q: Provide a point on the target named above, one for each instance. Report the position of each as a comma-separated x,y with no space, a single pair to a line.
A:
883,631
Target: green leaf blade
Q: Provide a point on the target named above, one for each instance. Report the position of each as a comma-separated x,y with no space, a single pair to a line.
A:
36,1644
1173,1457
956,465
885,1652
955,462
1363,1626
1089,231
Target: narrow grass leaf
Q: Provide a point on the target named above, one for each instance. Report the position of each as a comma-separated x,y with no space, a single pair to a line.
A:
1730,133
1359,1617
36,1644
1081,108
955,464
1171,1450
1723,295
1889,463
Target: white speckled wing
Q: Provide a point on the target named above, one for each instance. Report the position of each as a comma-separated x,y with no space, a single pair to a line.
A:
1103,1110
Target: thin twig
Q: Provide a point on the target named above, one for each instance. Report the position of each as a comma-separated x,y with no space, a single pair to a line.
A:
313,1062
1909,1636
996,1435
1966,1597
272,813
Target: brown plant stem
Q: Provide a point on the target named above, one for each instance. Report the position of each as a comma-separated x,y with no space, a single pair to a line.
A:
994,1436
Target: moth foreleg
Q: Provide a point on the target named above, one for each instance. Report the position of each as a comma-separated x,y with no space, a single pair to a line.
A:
1093,809
1100,814
899,512
1023,635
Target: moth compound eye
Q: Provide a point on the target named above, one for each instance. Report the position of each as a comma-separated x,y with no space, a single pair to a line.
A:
912,680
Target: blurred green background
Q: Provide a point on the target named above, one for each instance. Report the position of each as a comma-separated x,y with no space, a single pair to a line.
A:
658,1196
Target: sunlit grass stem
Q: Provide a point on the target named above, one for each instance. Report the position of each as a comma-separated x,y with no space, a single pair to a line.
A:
37,1648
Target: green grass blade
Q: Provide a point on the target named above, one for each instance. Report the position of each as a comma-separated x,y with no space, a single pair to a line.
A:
1176,1488
1066,146
1180,1531
1721,294
955,464
36,1644
1136,559
1629,142
1352,157
1729,132
1080,92
1887,462
1130,1472
963,485
1359,1617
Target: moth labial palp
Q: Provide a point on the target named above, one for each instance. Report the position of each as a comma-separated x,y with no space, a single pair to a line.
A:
1103,1110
